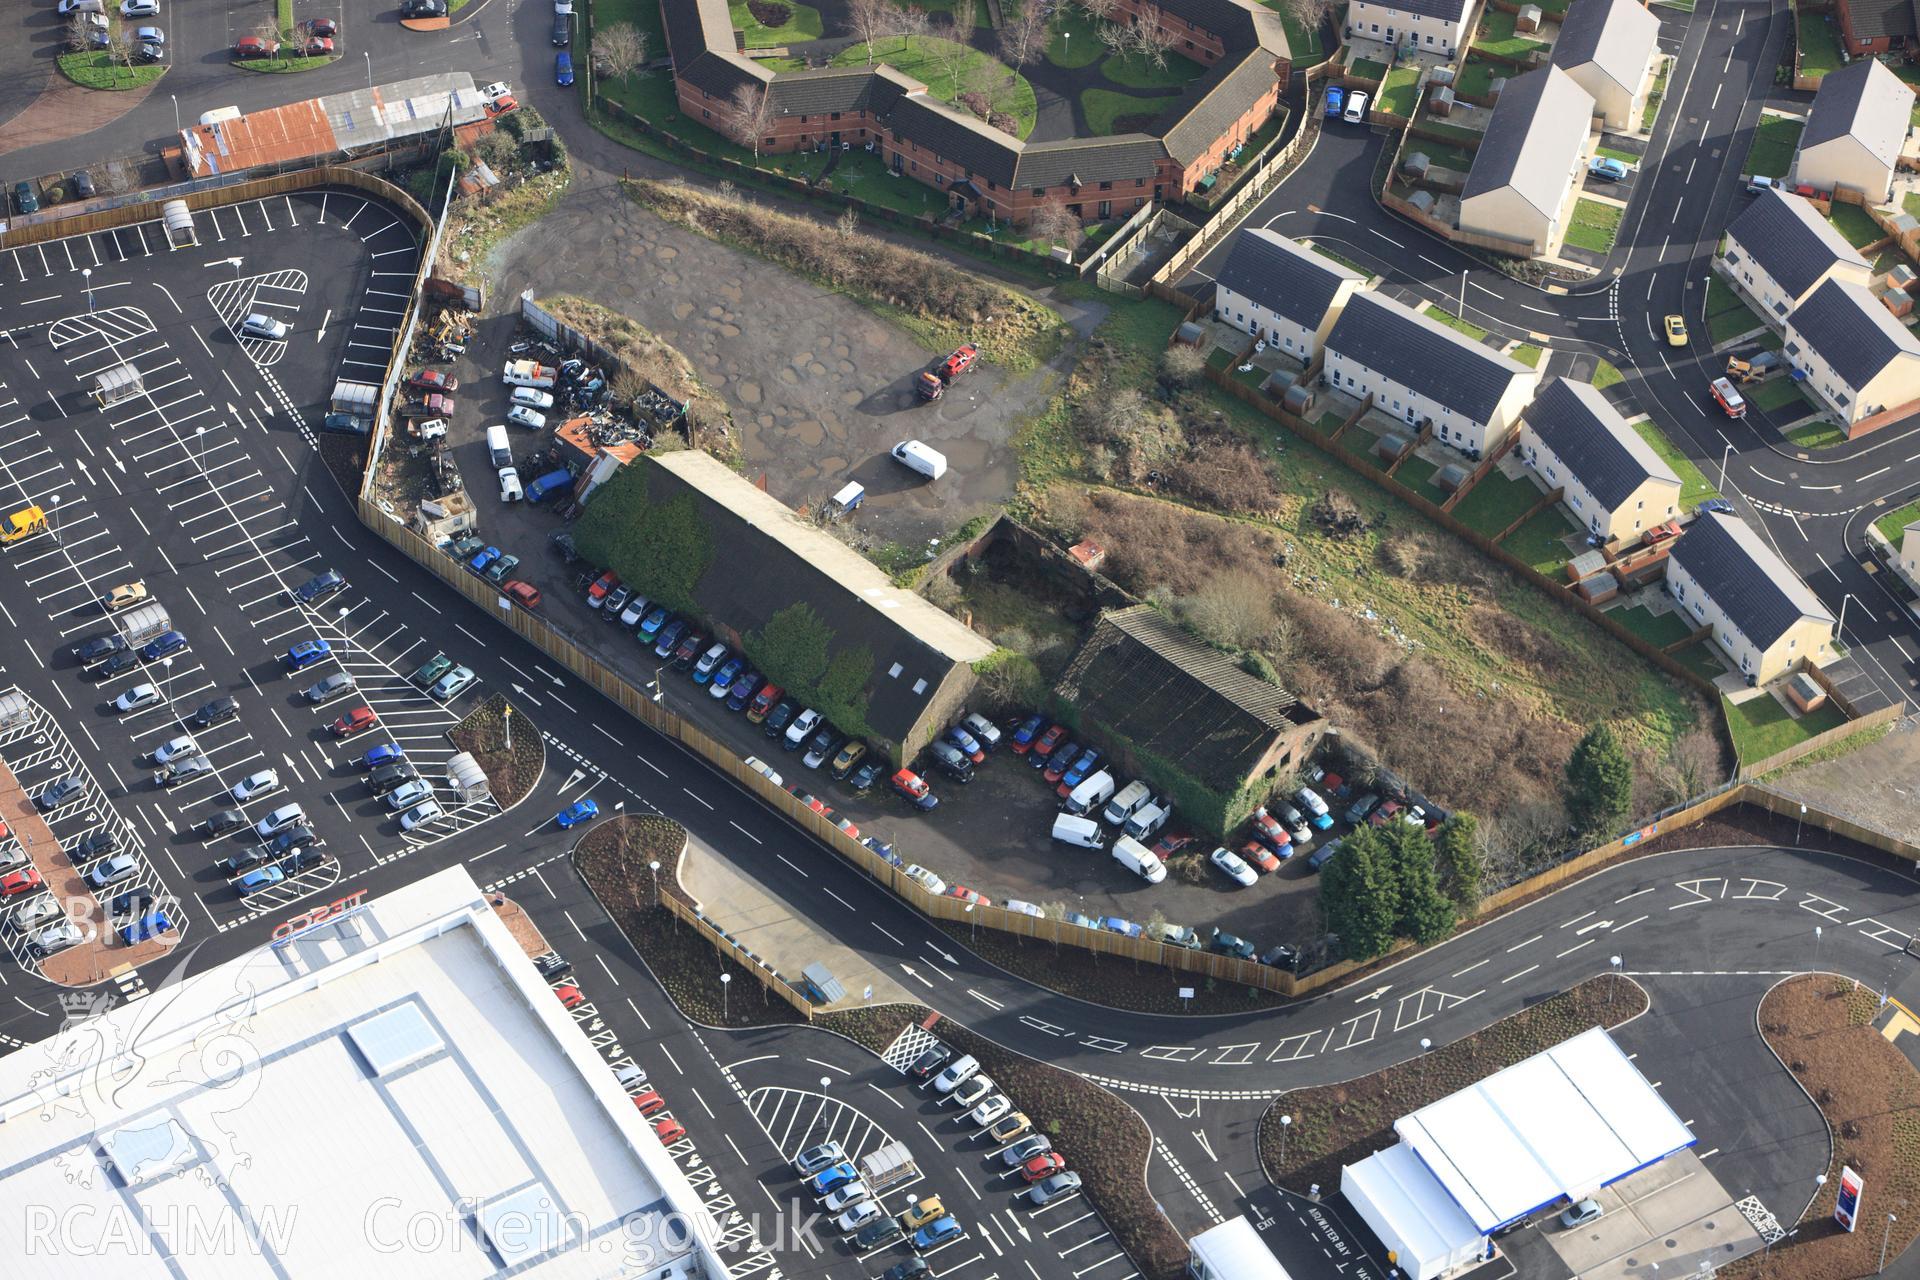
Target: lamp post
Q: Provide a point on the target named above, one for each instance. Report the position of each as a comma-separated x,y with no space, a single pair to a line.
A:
200,448
726,980
654,866
53,515
368,55
1799,822
973,922
1886,1238
1426,1047
654,684
1286,1123
1816,969
1613,962
176,111
1723,465
1463,293
86,282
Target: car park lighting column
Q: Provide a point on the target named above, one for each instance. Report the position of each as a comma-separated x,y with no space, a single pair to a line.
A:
726,980
86,282
53,527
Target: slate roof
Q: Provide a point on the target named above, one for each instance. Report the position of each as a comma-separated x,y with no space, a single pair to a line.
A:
719,75
765,558
1849,328
1211,104
1147,681
825,90
1615,36
1088,161
958,136
1872,19
1790,241
1743,576
1416,352
1538,128
1866,102
1282,275
1589,435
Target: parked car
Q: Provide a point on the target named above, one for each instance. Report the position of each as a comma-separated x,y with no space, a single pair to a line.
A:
98,647
600,588
764,702
851,752
777,719
420,815
219,823
1607,168
306,653
965,742
741,690
927,880
1067,1182
255,47
1025,732
880,1232
1356,112
263,782
951,761
1025,1149
1316,808
937,1233
931,1059
814,1159
1044,1165
524,594
329,687
914,788
844,1196
137,698
708,663
1229,944
822,747
121,866
319,585
430,670
1044,746
168,644
452,684
1336,102
384,754
803,726
669,638
18,882
57,793
866,1211
354,722
834,1175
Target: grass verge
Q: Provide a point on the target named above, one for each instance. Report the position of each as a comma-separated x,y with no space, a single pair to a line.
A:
98,69
1594,225
1761,726
941,305
1693,484
1607,374
1775,139
1894,522
1338,1124
1817,435
1656,94
1453,321
511,770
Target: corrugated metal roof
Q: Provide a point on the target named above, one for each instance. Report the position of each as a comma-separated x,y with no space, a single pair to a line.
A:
336,122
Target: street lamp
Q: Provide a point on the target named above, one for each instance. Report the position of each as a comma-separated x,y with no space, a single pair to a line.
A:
1816,969
53,515
1426,1047
86,282
973,922
368,55
200,448
1799,823
1886,1237
1613,962
654,684
1286,1123
726,980
654,867
1723,465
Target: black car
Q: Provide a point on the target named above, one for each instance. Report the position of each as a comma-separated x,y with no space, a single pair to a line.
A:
292,838
116,664
1228,944
951,761
552,965
133,904
690,649
219,710
82,184
302,860
57,793
347,424
562,30
219,822
912,1269
1280,956
875,1234
147,53
96,845
867,774
389,776
320,584
778,717
99,647
931,1059
423,8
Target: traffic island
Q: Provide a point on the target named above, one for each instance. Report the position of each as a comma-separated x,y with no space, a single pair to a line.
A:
507,747
629,862
1332,1126
1824,1029
1103,1139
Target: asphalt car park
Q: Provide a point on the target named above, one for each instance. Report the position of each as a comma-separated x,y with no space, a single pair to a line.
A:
189,488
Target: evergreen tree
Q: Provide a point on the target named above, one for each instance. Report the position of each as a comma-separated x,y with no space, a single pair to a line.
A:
1457,848
1357,896
1599,783
1426,914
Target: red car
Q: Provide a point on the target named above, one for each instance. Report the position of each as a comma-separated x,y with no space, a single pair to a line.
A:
1661,532
255,47
910,784
1268,828
649,1102
21,881
318,47
524,594
1062,760
764,702
669,1130
959,362
434,380
1171,843
1049,740
1044,1165
570,996
1260,856
965,894
601,585
358,720
853,832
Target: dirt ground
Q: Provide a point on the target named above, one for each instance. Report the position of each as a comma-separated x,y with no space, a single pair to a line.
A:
1875,786
820,386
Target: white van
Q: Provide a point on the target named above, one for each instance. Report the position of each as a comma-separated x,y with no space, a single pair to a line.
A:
219,114
510,490
1139,859
915,456
497,447
1147,819
1091,793
1084,832
1131,797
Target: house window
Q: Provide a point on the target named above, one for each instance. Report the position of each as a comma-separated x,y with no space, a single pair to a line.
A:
1039,191
834,116
1429,39
1289,344
1376,28
1106,186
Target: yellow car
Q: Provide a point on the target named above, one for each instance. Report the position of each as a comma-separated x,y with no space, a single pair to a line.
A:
928,1210
1676,331
1011,1126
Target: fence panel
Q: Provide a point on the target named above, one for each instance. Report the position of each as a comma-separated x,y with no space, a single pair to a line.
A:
1819,741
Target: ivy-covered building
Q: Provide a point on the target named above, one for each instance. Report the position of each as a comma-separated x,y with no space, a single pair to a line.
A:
814,616
1185,716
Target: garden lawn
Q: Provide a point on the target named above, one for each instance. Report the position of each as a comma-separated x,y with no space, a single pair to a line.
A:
1654,95
921,57
1453,321
1894,522
1527,354
1541,542
1856,225
1594,225
1693,485
1476,76
1819,46
1401,92
1657,629
1063,50
1495,503
1367,69
1416,473
1497,35
1304,43
1775,139
1105,107
1728,315
1134,72
803,23
1777,394
1817,435
1910,74
1761,726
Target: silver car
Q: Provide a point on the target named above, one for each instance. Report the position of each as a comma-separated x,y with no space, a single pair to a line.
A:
327,688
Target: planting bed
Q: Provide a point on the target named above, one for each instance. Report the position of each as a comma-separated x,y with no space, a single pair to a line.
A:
511,771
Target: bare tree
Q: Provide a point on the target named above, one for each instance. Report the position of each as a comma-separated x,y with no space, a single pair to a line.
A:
1308,13
1234,607
950,50
966,15
870,20
847,223
619,51
1116,37
909,24
121,47
79,32
1180,365
1151,40
747,116
1052,223
1100,10
1024,35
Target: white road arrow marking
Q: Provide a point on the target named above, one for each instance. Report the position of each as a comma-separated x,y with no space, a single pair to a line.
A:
557,682
908,970
522,691
323,325
1597,924
1374,994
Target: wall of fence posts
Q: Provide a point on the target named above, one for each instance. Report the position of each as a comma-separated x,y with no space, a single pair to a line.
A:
768,977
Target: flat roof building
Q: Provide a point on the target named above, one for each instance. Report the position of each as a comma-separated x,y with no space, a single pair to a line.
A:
394,1090
336,123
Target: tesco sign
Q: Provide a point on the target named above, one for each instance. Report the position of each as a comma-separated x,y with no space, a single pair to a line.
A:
318,915
1846,1205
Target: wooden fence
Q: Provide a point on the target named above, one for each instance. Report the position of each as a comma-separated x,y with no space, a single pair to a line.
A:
1839,824
1820,741
729,947
1254,188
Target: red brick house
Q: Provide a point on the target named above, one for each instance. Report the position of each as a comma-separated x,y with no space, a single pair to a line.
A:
1874,26
979,168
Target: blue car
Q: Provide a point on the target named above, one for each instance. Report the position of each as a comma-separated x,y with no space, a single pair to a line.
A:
563,68
1336,101
741,691
1080,769
255,881
936,1233
655,619
669,637
384,754
1126,928
1028,730
484,558
833,1176
1607,167
576,813
169,642
306,653
1715,504
723,678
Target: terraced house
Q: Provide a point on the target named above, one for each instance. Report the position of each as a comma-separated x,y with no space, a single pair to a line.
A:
1762,615
1780,250
1434,26
978,168
1615,484
1275,288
